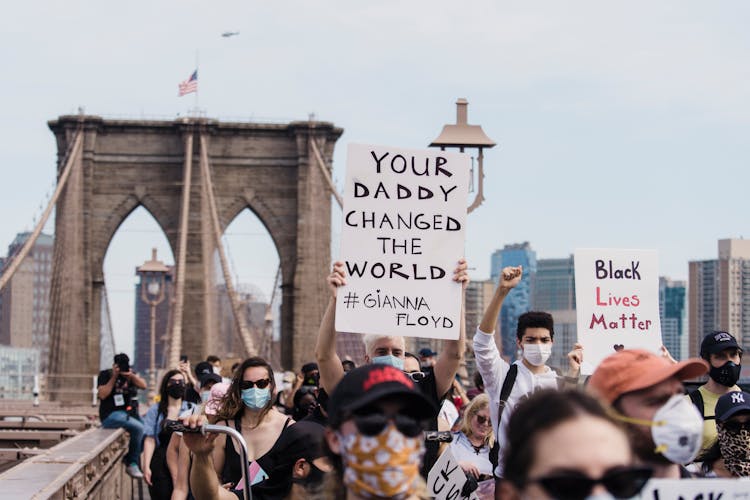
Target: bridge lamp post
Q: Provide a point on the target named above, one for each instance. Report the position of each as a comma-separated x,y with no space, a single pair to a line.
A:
153,275
461,135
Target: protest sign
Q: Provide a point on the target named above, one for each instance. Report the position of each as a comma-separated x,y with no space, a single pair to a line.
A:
404,223
446,479
617,302
696,489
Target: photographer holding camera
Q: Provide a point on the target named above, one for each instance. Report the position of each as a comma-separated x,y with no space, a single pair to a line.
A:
118,407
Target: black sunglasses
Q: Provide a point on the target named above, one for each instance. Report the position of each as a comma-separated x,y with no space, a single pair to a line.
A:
260,384
416,376
734,426
481,419
372,424
621,482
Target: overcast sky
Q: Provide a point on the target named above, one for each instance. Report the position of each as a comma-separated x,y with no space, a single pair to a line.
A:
618,124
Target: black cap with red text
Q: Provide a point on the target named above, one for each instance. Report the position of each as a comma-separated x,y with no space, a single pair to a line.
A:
363,386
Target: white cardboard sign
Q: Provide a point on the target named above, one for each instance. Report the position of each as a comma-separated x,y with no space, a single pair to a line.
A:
446,478
696,489
617,302
403,231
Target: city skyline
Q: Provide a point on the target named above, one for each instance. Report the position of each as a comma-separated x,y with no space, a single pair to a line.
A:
615,129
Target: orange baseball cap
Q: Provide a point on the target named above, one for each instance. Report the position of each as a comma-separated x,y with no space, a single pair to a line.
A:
635,369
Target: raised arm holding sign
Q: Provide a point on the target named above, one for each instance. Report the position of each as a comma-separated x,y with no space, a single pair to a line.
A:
403,232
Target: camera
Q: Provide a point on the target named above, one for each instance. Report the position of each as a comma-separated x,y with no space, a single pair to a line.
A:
439,436
123,362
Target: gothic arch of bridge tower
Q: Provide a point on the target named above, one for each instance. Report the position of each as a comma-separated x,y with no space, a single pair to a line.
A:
279,171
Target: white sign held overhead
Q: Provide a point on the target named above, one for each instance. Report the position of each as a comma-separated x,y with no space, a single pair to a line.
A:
617,302
403,231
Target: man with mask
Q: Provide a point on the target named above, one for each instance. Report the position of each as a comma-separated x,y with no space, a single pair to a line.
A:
645,392
505,384
724,355
391,350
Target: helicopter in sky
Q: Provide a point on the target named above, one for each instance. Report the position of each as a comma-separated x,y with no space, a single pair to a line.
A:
229,34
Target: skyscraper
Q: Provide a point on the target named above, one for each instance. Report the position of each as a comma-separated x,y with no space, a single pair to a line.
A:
518,302
554,292
719,294
672,315
24,302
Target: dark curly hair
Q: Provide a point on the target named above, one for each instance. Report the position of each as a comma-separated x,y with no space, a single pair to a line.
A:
535,319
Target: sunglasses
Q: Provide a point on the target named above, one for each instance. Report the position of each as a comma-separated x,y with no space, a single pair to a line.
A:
372,424
620,482
734,426
260,384
481,420
173,381
416,376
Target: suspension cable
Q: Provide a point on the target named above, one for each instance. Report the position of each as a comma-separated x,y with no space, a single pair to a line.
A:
239,316
70,161
176,337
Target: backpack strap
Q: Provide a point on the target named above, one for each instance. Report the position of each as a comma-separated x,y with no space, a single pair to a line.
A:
697,398
510,379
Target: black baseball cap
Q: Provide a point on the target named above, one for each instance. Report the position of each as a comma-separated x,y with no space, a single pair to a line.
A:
203,368
715,342
209,377
732,403
367,384
426,352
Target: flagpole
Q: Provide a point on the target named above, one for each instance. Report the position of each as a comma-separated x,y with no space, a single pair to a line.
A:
197,87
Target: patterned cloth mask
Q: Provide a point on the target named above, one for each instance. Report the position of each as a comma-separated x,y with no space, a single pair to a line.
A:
735,450
386,465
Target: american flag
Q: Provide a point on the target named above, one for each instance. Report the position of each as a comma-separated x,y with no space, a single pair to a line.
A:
189,85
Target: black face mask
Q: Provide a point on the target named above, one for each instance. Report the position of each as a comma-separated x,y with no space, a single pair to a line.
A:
176,391
727,374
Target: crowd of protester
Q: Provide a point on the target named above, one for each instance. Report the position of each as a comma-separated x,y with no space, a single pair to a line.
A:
333,430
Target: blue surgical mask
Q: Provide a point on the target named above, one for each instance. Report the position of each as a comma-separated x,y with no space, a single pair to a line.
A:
255,398
205,396
389,359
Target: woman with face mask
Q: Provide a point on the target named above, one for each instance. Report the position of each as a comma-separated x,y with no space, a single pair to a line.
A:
375,436
729,456
160,451
564,445
248,407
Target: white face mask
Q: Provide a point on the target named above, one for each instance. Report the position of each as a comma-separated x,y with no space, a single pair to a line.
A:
537,354
677,429
217,370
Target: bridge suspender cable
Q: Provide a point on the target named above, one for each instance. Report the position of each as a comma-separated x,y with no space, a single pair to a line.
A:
70,162
324,169
179,295
239,316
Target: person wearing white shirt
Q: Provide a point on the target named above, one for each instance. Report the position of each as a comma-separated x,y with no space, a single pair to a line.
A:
534,338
